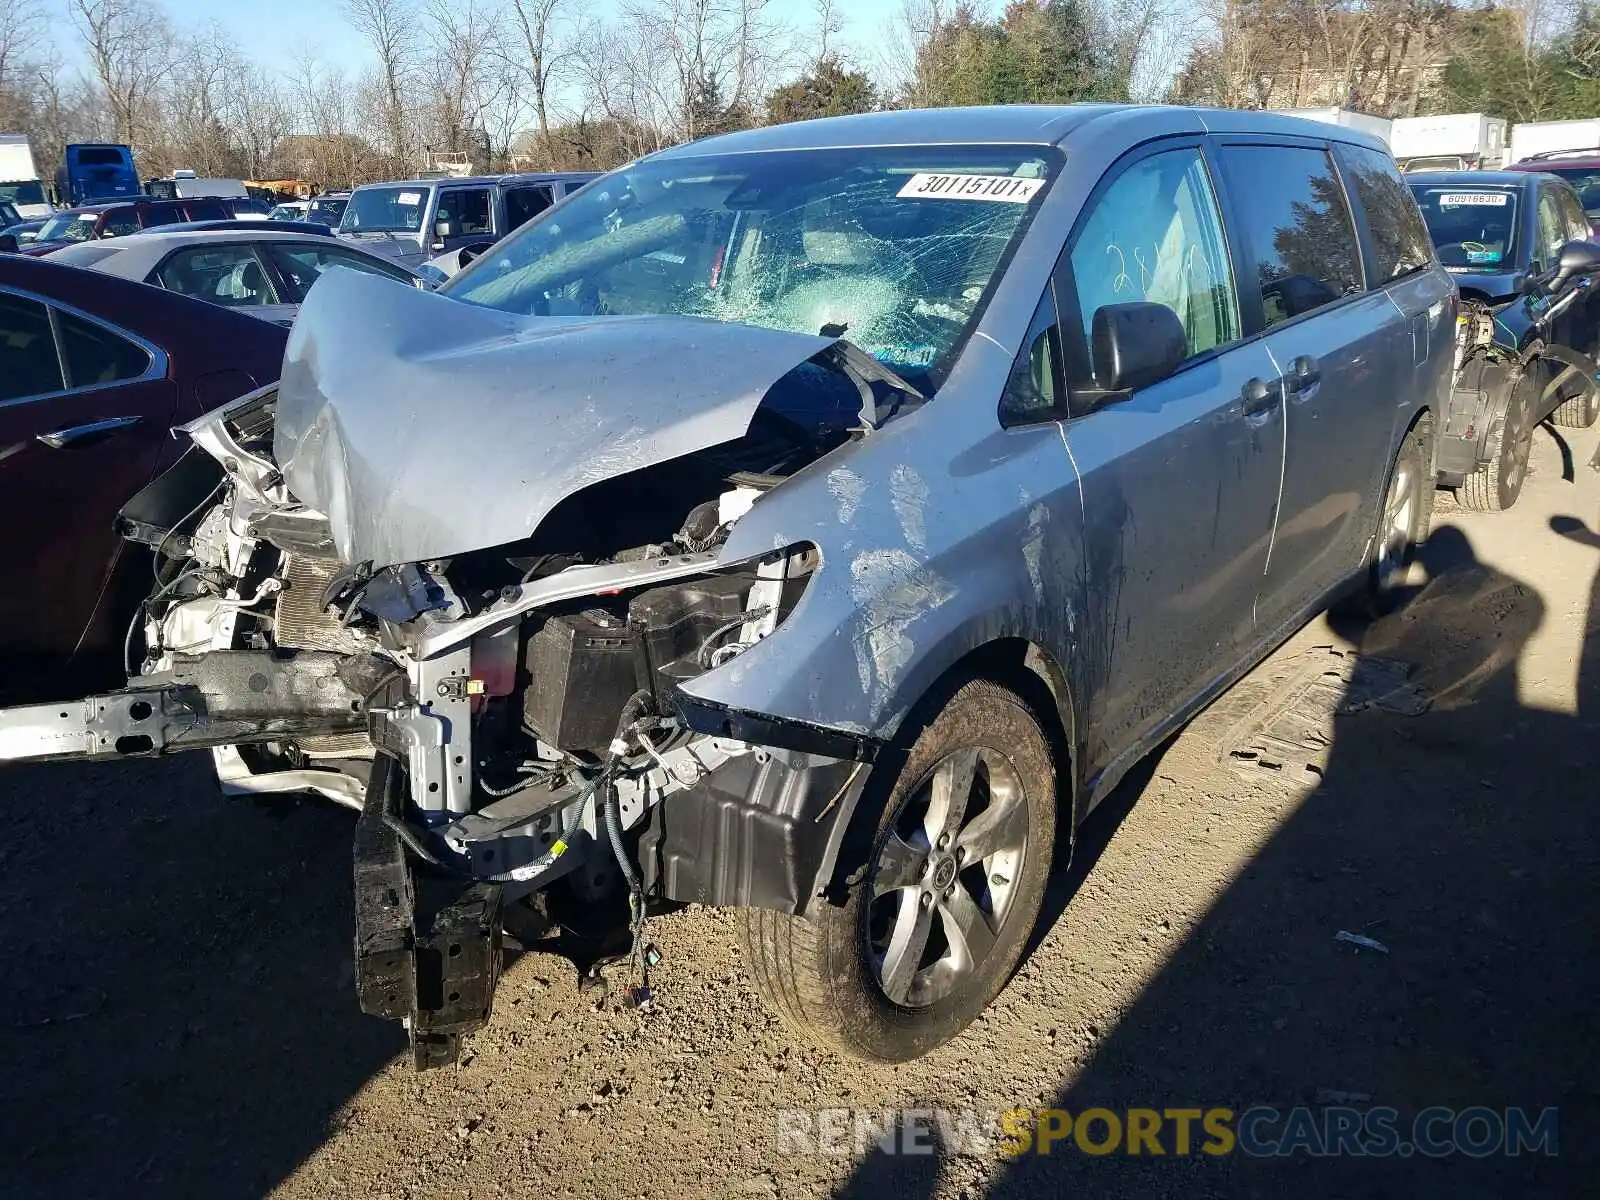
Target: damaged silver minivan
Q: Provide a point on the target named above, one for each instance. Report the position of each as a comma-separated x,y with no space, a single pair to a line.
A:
814,520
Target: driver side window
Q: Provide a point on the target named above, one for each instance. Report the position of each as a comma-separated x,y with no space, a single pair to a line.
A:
1155,234
1552,232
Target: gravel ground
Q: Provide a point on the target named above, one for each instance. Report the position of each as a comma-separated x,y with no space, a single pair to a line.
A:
184,1020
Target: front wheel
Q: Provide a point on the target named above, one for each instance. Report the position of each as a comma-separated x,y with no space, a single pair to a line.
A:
1495,486
938,917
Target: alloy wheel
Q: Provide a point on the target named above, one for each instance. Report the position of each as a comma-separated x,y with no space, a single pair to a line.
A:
944,876
1399,525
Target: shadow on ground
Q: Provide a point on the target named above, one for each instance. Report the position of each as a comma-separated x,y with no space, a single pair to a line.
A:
1467,841
182,1010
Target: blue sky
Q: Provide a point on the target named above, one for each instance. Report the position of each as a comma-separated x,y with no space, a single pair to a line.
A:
274,30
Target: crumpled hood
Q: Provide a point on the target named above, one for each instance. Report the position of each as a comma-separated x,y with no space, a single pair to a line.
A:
425,427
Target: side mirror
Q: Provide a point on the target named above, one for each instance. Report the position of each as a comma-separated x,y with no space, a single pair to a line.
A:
1576,258
1135,344
442,228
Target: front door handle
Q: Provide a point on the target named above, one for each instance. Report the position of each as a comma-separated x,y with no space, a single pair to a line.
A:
1304,374
87,434
1260,398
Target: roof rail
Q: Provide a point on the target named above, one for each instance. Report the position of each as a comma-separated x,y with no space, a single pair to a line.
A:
1545,154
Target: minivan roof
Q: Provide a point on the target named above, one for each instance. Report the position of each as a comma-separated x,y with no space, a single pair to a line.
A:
452,180
1013,124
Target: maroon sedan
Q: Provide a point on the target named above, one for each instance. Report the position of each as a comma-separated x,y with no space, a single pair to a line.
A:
94,372
118,218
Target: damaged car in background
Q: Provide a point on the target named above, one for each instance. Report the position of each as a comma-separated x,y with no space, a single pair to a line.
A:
807,520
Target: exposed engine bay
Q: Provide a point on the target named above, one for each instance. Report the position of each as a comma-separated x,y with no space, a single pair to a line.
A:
507,720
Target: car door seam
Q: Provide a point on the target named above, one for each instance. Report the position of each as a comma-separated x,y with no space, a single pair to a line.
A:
1283,461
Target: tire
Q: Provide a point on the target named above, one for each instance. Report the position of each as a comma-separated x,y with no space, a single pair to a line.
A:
1495,486
832,979
1404,519
1580,411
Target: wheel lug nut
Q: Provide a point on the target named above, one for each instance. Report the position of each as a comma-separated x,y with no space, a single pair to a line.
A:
998,880
960,854
944,840
927,899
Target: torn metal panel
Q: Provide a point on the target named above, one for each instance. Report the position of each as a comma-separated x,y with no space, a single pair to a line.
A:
424,427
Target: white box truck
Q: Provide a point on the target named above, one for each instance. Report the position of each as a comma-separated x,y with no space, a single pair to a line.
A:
1379,127
1549,137
1450,142
19,179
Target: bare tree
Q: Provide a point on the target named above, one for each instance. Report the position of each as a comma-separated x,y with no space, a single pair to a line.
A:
544,54
830,24
390,28
128,43
464,50
22,26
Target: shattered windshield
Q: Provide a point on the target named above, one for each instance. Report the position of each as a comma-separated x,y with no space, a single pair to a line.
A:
894,248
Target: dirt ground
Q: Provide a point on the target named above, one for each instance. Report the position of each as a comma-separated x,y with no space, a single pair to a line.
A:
184,1021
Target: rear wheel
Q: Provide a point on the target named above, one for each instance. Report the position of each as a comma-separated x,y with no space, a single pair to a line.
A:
1579,411
939,916
1403,524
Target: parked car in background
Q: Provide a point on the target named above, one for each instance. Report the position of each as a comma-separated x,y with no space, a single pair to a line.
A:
263,271
14,237
1580,169
289,210
94,222
9,216
246,226
894,485
328,208
1502,235
94,372
249,209
415,220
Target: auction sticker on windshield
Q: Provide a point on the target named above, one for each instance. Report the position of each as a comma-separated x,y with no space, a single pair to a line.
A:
409,198
1468,199
1009,189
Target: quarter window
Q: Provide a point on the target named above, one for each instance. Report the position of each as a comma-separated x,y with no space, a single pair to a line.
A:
1155,234
96,356
1399,238
28,362
1300,245
1033,390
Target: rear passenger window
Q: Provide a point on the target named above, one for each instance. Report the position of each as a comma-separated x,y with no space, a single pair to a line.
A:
120,222
1399,238
1155,234
525,203
1299,242
28,362
96,356
160,215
